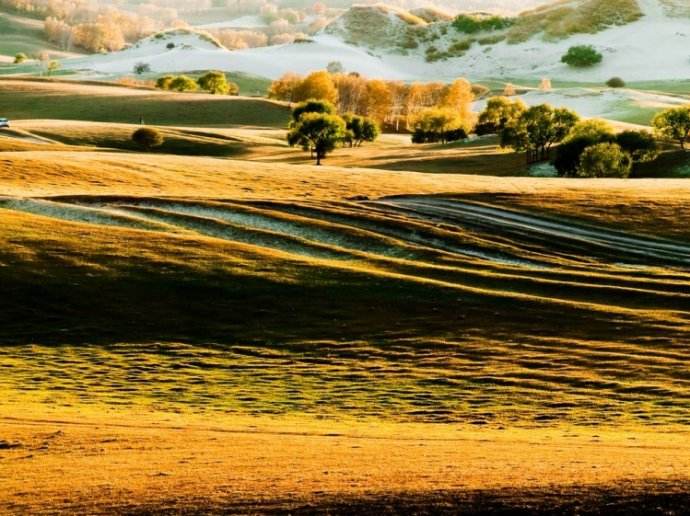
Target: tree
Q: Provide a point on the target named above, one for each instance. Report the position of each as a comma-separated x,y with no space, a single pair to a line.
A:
318,133
595,129
147,138
163,83
584,134
183,83
605,160
615,82
499,113
317,85
284,88
438,125
582,56
538,129
20,58
214,82
142,68
641,145
312,106
379,100
673,124
52,67
360,129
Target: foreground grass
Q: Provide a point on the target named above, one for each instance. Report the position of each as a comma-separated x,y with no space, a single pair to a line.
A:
125,462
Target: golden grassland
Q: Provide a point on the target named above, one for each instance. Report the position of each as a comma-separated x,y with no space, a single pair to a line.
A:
165,462
240,331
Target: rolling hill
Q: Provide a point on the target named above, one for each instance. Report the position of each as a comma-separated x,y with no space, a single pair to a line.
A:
382,41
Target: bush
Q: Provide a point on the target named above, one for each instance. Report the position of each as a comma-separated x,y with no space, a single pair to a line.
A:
473,24
641,145
582,56
170,45
183,83
615,82
163,83
20,58
142,68
215,83
605,160
147,138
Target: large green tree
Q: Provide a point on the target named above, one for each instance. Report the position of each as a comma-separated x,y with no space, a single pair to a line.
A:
674,124
538,129
605,160
318,133
499,113
217,83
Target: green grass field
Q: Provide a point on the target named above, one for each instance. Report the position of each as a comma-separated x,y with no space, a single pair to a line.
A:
38,99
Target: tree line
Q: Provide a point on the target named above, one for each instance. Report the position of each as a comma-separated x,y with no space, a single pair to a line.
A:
583,148
394,105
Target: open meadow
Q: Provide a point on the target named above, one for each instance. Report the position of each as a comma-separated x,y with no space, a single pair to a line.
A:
219,326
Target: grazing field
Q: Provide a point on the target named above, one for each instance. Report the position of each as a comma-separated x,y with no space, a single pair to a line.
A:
44,99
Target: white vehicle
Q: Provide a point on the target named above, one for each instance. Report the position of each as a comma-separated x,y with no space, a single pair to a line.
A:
4,122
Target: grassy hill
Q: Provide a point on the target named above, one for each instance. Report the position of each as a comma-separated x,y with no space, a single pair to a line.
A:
276,257
21,34
110,103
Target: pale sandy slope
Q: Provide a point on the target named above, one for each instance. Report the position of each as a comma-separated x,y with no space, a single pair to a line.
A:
654,48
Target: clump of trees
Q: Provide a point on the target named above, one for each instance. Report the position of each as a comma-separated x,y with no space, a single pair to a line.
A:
147,138
673,124
629,147
317,128
391,104
360,129
588,148
582,56
438,125
217,83
214,82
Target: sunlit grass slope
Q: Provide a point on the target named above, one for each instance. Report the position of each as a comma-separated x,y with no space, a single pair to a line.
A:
521,303
107,103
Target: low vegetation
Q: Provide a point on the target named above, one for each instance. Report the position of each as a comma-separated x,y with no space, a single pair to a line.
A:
582,56
147,138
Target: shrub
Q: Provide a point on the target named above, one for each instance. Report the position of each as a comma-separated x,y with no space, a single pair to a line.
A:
142,68
582,56
214,82
335,67
20,58
163,83
147,138
604,160
170,45
472,24
615,82
183,83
